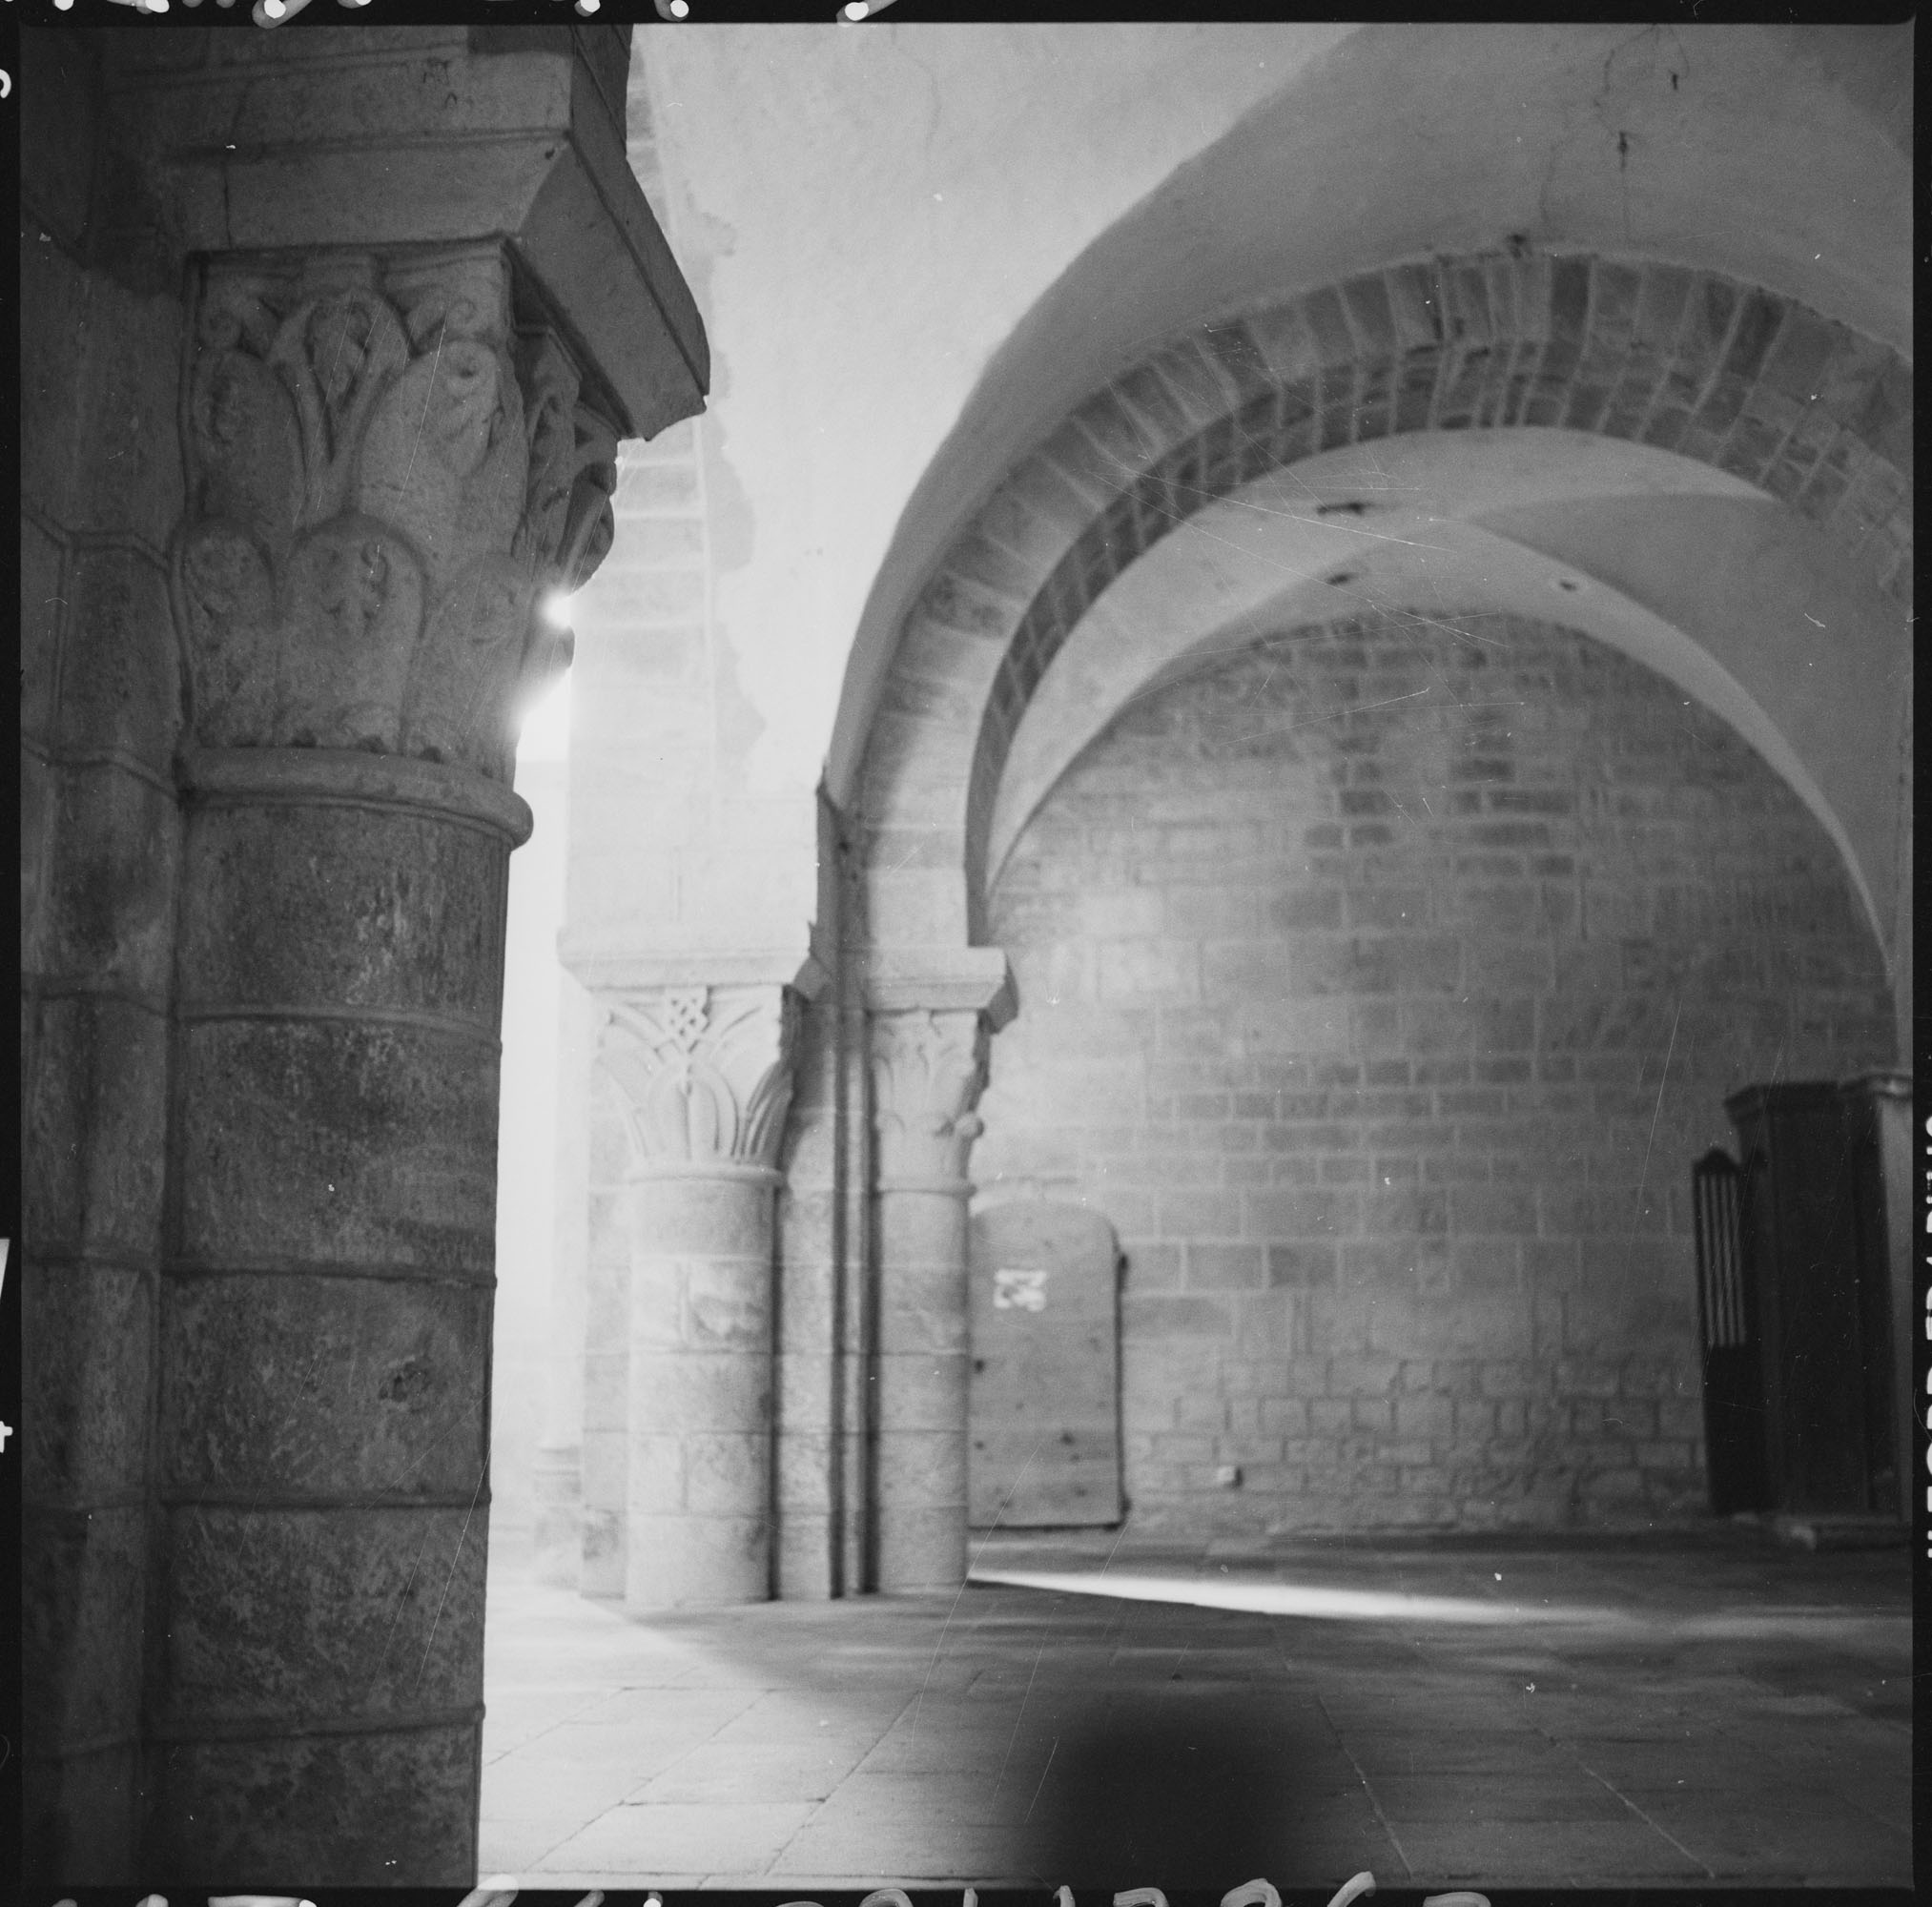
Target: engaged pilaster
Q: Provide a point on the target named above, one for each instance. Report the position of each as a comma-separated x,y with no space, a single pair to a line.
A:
929,1069
707,1076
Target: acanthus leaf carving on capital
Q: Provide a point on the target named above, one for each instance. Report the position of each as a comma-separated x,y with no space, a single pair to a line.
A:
378,506
706,1073
573,468
929,1069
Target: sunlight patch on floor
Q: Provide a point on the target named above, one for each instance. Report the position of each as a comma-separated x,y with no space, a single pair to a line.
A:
1300,1600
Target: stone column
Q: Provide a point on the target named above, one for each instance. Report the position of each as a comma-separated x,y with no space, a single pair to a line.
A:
928,1071
412,297
706,1074
387,478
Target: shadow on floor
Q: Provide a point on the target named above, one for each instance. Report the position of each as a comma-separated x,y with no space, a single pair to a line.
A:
1192,1787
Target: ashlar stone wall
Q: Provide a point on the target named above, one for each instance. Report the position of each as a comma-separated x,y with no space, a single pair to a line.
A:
1381,983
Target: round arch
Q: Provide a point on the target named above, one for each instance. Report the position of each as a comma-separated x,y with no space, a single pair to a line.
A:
1695,363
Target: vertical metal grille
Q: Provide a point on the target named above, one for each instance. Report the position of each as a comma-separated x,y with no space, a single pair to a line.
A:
1715,1187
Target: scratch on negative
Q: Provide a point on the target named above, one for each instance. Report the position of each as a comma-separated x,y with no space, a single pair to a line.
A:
461,1536
1656,1112
1034,1802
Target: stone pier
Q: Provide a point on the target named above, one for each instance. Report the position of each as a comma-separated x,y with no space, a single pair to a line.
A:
402,387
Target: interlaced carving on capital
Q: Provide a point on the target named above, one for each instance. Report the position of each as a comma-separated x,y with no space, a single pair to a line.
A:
385,482
706,1073
928,1072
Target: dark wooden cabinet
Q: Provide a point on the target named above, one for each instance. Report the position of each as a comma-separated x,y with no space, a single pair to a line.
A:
1878,1109
1818,1261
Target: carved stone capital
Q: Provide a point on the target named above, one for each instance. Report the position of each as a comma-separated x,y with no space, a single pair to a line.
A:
706,1074
387,475
929,1069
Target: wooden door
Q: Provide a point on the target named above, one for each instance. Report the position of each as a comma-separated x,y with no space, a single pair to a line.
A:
1043,1447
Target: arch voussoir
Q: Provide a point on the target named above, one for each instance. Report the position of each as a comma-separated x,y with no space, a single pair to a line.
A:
1191,374
1287,345
1123,442
1145,394
970,612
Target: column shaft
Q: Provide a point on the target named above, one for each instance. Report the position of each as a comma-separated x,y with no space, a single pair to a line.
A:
922,1366
317,1676
699,1497
929,1068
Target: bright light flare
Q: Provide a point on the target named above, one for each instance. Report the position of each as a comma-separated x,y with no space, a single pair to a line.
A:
545,733
557,607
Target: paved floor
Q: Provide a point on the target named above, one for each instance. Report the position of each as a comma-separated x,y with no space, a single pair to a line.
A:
1650,1711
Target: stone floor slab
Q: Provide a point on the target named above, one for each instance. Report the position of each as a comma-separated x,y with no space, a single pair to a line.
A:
1036,1737
591,1745
1583,1854
508,1847
1513,1797
785,1716
753,1771
736,1838
523,1789
1799,1829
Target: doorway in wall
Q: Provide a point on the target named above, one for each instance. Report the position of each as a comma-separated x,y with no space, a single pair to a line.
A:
1043,1397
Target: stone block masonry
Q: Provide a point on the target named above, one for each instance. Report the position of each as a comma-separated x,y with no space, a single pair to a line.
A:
1380,985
